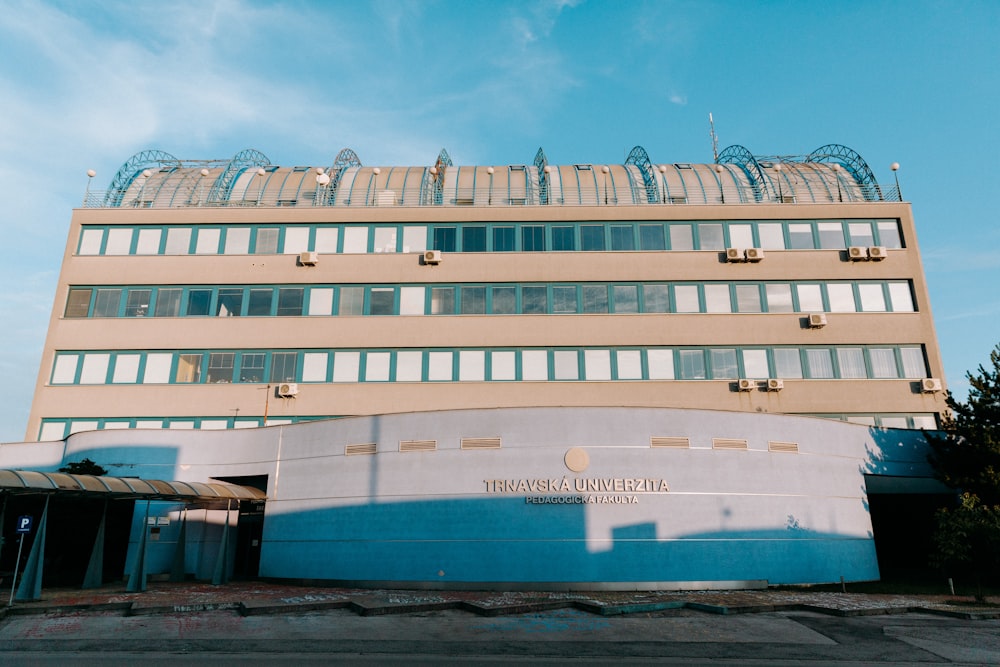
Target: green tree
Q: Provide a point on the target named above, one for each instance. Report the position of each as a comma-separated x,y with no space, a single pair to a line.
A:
968,537
83,467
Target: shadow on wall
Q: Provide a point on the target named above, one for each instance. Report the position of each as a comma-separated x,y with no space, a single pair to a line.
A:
133,460
452,542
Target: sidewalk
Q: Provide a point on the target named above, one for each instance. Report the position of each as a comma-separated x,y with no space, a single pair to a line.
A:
258,598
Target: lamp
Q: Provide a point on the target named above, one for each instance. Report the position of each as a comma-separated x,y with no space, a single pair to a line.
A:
86,193
375,172
836,172
781,194
547,170
489,170
718,177
605,170
663,174
260,192
895,168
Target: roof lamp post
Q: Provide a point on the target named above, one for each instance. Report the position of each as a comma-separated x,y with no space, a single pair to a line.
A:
201,183
433,171
375,172
663,175
718,177
895,168
146,173
781,194
86,193
605,170
490,170
260,191
548,171
836,172
322,180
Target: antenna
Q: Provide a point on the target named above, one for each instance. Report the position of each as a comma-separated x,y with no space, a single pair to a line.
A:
715,139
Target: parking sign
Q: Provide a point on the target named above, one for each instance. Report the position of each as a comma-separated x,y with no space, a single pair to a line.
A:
24,524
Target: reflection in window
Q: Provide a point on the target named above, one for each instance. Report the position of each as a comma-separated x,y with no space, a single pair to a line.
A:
383,301
260,302
443,301
532,238
563,299
681,237
724,364
503,239
200,301
831,235
504,300
710,237
748,299
595,298
800,237
533,300
352,301
622,237
473,300
563,238
651,237
626,298
655,298
474,239
779,297
168,302
888,234
861,233
107,302
692,365
787,362
290,301
591,237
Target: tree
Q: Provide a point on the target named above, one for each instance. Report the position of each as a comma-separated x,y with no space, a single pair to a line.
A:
968,537
967,456
83,467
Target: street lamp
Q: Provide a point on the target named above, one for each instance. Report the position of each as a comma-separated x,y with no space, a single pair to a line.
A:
490,170
781,194
895,168
718,176
548,174
605,170
260,192
663,177
201,184
146,173
322,180
375,172
86,193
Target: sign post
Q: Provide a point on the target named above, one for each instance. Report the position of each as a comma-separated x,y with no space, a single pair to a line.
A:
23,528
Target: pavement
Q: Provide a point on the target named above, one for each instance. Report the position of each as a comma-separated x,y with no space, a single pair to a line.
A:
279,623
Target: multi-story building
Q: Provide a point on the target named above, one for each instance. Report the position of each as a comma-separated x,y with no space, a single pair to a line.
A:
615,375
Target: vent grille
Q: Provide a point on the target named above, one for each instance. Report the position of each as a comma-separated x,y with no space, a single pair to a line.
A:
353,450
675,442
481,443
418,445
728,443
791,447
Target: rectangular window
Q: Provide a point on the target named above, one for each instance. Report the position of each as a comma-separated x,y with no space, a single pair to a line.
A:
503,365
137,302
149,242
356,240
352,301
252,367
471,366
385,239
504,300
591,237
852,362
411,300
563,299
445,239
820,363
237,241
532,238
622,237
779,297
810,298
686,299
290,301
681,237
474,238
199,302
267,241
473,300
717,299
383,301
626,298
178,241
841,297
660,364
755,364
326,240
107,302
831,235
800,236
320,301
566,365
724,364
314,366
533,300
90,241
260,302
230,302
597,364
346,366
439,366
861,233
563,238
710,237
534,365
692,365
377,366
924,422
651,237
741,236
119,241
188,368
787,362
220,367
64,370
208,241
913,362
283,366
888,234
595,298
748,299
872,298
772,236
901,297
656,298
157,368
78,302
442,301
503,239
296,240
409,366
629,364
883,363
414,238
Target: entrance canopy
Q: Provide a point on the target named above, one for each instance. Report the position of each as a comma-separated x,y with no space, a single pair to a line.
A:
17,482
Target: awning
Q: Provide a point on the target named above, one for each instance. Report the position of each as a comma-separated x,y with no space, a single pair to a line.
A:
16,482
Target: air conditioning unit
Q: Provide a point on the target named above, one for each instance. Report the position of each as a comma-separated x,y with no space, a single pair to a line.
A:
746,384
288,390
775,384
735,255
432,257
877,253
754,254
930,385
308,258
817,320
857,253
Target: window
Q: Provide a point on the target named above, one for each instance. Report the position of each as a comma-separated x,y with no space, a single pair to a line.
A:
503,365
901,298
471,366
326,239
267,241
137,302
532,238
409,366
831,235
852,362
237,241
355,240
504,300
439,366
78,302
710,237
474,239
178,241
681,237
414,239
534,365
591,237
445,239
533,300
883,363
188,368
230,302
473,300
810,298
564,299
755,364
220,367
626,298
199,302
692,365
314,366
64,370
352,300
597,364
252,367
717,299
377,366
443,301
651,237
503,239
913,362
119,241
655,298
741,236
208,241
385,239
563,238
888,234
861,233
820,363
157,368
686,299
841,297
411,300
787,362
168,302
724,364
748,299
595,298
290,301
872,298
383,301
771,235
346,366
800,237
296,240
283,366
260,302
660,364
622,237
90,241
779,298
566,365
107,302
629,364
321,301
149,242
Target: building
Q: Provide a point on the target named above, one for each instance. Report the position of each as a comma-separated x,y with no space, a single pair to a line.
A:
643,328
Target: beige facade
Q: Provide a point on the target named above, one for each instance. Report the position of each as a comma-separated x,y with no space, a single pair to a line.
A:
493,356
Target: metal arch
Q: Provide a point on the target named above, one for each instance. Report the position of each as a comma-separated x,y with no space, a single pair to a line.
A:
853,163
640,158
543,178
224,183
745,160
345,159
131,170
441,164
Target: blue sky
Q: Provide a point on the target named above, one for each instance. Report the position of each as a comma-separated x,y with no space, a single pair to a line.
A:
85,85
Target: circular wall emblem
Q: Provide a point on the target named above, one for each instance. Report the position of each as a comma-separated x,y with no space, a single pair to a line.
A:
577,459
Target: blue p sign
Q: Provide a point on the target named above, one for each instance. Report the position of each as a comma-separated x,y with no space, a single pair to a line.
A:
24,524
